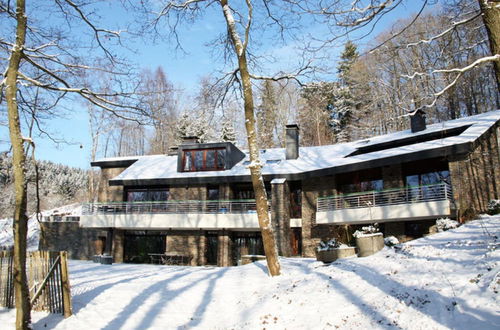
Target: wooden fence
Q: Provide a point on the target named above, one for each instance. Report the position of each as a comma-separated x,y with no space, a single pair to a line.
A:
47,279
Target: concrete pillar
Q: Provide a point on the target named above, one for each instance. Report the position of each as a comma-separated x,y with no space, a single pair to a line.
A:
280,215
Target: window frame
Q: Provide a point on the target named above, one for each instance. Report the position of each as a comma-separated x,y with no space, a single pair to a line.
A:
205,151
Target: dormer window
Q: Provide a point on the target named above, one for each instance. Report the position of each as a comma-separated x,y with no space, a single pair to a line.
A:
213,159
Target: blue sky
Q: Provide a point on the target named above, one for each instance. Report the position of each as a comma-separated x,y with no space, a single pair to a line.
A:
183,69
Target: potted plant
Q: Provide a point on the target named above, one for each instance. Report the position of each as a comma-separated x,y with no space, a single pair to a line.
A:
369,240
332,250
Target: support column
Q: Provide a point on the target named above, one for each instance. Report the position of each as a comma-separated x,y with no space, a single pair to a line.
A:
280,215
118,241
224,249
309,202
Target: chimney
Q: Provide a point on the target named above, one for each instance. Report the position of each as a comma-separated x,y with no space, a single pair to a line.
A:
189,139
292,141
417,121
172,151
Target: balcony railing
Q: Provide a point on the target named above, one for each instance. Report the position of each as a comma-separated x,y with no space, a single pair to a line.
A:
408,195
171,207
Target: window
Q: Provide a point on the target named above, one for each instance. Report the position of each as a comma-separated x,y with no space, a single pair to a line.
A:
204,160
366,180
213,193
147,195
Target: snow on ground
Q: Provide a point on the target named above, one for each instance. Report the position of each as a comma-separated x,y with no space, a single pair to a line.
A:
7,237
447,280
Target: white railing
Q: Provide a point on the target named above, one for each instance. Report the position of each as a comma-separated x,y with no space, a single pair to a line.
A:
171,207
407,195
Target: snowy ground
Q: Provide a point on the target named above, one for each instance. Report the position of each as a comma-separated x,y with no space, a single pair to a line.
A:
448,280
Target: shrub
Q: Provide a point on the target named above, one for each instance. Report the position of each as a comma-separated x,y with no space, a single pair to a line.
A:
494,207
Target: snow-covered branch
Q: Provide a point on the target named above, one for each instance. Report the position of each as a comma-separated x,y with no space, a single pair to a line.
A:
457,70
453,27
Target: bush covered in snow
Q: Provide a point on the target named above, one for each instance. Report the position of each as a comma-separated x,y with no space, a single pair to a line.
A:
330,245
367,230
391,241
494,207
443,224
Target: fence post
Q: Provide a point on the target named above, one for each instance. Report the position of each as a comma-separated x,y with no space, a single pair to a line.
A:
65,284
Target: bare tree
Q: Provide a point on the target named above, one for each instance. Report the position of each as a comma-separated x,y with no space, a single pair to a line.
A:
349,17
42,53
161,101
240,27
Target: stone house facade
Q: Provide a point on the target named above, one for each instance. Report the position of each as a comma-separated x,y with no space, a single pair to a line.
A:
197,202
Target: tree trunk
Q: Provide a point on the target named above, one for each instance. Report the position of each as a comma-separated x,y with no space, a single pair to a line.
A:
266,228
491,17
21,290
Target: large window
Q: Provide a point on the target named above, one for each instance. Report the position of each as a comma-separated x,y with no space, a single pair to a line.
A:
366,180
203,160
147,195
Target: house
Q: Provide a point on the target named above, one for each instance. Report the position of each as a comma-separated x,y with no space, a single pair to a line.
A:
197,203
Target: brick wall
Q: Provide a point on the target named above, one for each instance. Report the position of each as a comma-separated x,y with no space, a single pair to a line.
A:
280,217
311,233
68,236
476,178
105,192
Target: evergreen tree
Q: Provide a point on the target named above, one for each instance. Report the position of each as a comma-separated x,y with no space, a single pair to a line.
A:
342,109
227,131
266,114
182,127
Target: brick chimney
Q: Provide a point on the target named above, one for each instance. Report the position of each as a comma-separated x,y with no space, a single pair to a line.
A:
417,121
292,141
189,139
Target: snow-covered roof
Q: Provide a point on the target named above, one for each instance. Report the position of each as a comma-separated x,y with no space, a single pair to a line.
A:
431,142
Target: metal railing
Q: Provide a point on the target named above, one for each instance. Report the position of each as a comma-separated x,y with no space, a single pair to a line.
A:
171,207
407,195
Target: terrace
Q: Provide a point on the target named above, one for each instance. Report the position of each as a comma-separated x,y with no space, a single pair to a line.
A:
409,203
189,214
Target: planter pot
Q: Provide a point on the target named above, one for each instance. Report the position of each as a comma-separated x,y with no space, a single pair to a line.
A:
370,244
96,258
332,255
106,260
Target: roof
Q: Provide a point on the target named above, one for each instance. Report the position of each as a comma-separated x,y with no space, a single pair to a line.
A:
451,138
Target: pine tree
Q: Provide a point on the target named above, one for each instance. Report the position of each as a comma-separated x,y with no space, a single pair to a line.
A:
227,131
266,114
343,108
182,127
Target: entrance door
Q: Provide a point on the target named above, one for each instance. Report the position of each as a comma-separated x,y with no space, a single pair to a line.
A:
296,241
212,247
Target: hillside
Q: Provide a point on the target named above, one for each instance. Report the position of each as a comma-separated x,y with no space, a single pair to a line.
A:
448,280
59,185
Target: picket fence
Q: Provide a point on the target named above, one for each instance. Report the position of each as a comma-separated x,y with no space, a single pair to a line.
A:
47,279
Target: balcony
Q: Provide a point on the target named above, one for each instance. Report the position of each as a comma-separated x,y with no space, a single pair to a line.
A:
403,204
239,214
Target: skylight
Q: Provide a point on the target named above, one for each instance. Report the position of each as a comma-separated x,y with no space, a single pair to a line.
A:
410,140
